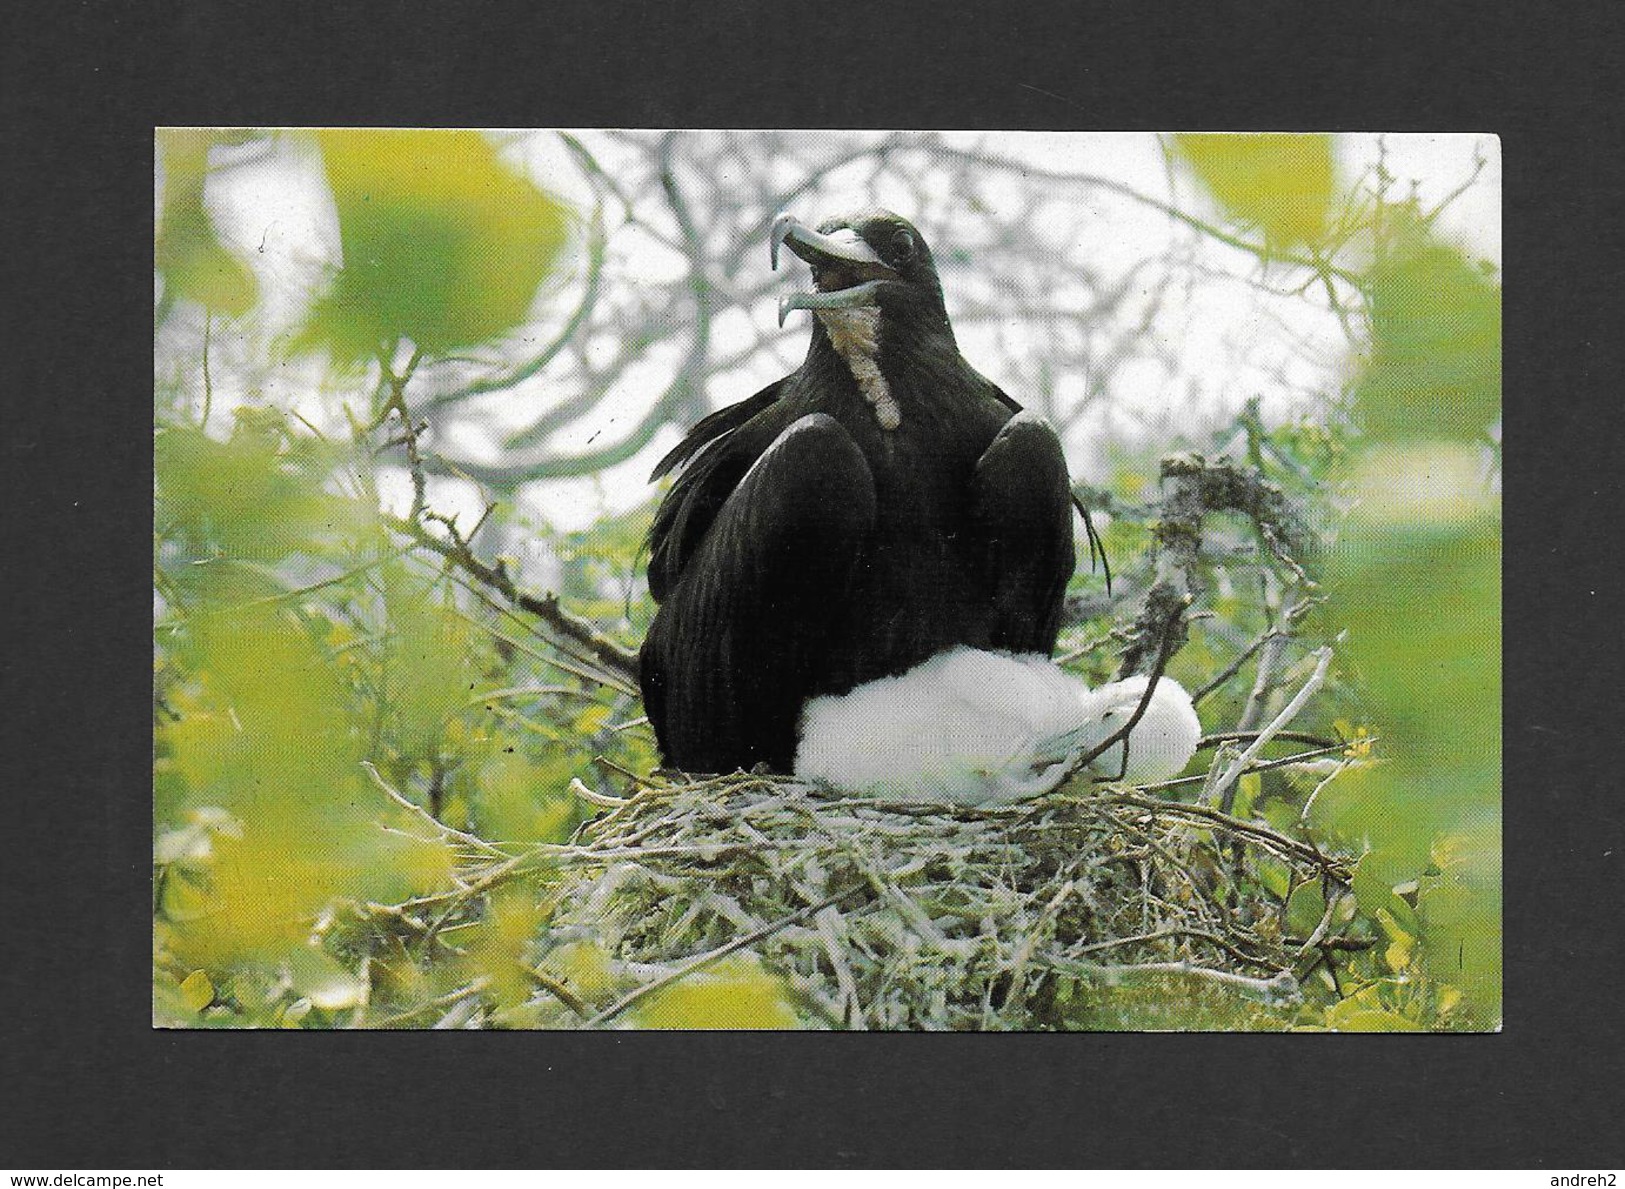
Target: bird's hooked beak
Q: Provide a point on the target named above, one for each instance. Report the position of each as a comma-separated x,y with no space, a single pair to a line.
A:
846,271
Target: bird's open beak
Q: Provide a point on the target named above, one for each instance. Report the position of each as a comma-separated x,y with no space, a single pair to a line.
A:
847,272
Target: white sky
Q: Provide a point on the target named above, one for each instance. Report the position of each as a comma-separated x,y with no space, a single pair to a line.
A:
277,214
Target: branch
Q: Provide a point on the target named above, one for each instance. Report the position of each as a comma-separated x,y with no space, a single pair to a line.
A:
682,399
1288,713
618,661
1293,614
1281,989
395,402
1274,839
1260,251
445,831
1201,486
1209,741
1263,681
1159,631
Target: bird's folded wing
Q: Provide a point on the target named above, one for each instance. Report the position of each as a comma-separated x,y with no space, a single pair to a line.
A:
1021,515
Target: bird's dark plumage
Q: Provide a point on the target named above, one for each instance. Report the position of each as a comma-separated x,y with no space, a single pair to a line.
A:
882,503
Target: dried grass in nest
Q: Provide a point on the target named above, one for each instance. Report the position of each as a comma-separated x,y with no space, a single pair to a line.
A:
905,917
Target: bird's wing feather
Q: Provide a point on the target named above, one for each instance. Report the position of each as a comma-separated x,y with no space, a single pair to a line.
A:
718,452
1097,547
708,429
754,579
1021,512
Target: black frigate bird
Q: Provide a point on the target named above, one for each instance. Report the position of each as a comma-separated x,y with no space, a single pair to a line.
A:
881,504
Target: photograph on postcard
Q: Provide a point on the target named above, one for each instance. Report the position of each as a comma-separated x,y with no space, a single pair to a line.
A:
1031,581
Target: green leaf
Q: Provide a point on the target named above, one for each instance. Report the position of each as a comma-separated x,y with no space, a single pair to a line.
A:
525,802
444,244
188,254
1374,880
1305,908
1280,182
1374,1021
434,664
1416,577
320,979
255,498
1435,368
735,993
591,720
197,992
1248,788
1460,913
1274,874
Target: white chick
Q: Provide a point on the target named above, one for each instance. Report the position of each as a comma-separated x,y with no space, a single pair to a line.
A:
970,727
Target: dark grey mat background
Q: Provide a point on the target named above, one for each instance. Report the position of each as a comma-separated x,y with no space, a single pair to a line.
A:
88,1084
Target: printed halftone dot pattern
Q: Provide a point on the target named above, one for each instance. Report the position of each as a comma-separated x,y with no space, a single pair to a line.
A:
1280,183
352,569
187,252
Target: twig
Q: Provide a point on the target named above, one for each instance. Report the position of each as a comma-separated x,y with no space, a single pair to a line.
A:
1176,931
395,402
605,762
208,384
1207,741
584,667
1288,713
558,990
1026,169
1282,988
531,691
738,943
1271,838
1046,921
429,819
1266,766
476,987
1121,734
619,661
853,1016
592,798
1233,667
1263,681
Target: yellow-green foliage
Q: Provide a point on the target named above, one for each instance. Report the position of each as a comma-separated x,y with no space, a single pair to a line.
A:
188,254
295,643
734,993
1416,573
1280,182
444,243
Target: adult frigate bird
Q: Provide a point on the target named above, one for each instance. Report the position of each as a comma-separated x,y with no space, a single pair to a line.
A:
826,539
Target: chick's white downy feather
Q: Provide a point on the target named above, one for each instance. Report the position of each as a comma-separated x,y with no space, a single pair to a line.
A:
1161,743
970,727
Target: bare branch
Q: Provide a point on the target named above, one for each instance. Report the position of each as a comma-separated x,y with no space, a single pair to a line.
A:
620,661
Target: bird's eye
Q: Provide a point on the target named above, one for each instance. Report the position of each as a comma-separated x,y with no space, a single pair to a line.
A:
903,244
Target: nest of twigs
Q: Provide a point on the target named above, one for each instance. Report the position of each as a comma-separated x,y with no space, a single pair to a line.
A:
920,917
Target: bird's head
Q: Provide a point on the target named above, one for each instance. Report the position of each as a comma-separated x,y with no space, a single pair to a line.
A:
873,260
